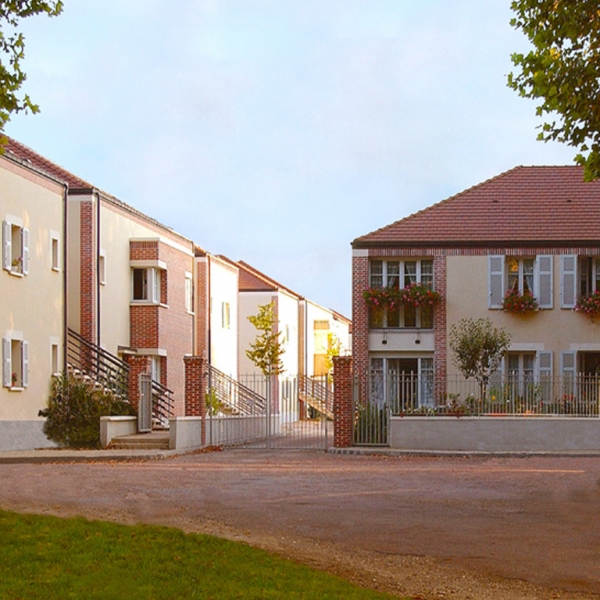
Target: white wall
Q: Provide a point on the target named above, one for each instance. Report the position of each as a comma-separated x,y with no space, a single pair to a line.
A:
223,335
32,304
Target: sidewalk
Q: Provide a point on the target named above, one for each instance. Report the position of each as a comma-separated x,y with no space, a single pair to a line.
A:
51,455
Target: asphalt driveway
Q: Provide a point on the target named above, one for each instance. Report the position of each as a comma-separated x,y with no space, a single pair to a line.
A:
502,527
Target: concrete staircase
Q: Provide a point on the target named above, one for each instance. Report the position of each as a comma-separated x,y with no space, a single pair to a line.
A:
154,440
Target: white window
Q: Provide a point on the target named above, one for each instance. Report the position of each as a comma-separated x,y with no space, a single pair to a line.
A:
402,383
225,315
54,252
520,275
15,248
189,293
15,363
579,276
147,285
102,267
400,274
54,358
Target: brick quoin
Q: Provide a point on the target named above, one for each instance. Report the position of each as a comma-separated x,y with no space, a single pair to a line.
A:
360,319
195,386
88,299
343,402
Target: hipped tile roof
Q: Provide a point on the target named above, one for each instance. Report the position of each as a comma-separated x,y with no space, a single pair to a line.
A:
523,206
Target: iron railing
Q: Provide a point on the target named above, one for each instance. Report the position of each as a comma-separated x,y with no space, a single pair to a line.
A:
228,396
317,392
162,402
409,394
86,359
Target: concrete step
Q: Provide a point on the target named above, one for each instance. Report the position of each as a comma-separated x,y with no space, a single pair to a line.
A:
155,440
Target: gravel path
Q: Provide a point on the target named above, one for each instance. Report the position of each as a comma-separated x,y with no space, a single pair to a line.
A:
428,527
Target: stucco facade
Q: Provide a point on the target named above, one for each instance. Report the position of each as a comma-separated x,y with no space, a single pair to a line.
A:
32,291
529,232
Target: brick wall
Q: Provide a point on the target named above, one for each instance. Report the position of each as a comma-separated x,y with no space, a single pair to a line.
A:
202,301
88,270
343,402
167,326
360,316
195,387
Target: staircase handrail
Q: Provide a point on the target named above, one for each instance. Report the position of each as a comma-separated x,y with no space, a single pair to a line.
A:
234,395
97,363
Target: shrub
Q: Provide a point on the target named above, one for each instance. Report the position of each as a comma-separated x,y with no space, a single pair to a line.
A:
74,411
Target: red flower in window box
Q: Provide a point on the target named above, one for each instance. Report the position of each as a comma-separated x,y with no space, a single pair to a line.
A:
589,304
518,303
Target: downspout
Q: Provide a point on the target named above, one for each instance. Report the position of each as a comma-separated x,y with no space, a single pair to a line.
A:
209,309
97,269
65,315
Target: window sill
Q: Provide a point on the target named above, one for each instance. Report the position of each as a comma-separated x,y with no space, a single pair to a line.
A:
16,273
15,389
56,269
147,303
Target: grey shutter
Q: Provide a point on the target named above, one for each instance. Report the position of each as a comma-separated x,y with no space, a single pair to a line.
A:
544,365
24,364
6,363
544,274
25,249
568,280
6,246
544,375
568,366
496,281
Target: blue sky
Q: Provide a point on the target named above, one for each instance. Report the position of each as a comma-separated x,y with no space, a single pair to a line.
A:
277,131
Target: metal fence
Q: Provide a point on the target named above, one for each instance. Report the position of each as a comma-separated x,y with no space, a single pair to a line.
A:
407,393
294,413
381,396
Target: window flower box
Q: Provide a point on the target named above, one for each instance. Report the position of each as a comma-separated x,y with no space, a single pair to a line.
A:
517,303
589,304
415,295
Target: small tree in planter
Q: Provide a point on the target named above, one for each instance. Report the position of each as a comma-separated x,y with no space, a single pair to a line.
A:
478,348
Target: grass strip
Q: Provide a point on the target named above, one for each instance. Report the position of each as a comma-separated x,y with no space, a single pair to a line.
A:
48,558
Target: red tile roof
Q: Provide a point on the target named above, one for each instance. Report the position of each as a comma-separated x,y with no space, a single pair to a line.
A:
524,206
39,162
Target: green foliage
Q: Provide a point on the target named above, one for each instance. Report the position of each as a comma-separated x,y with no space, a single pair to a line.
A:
370,425
563,71
213,404
266,350
478,348
74,411
334,346
12,52
47,558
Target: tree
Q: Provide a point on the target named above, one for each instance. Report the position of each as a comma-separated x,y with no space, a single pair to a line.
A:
267,348
12,52
478,348
563,70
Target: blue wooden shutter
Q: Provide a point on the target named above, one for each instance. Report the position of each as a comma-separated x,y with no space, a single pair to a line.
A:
496,281
568,280
544,265
24,364
25,250
6,246
6,362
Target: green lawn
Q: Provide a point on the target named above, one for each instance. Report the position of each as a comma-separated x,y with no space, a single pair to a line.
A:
52,558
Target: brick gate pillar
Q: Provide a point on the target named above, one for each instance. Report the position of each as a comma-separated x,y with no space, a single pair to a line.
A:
343,402
137,365
195,386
